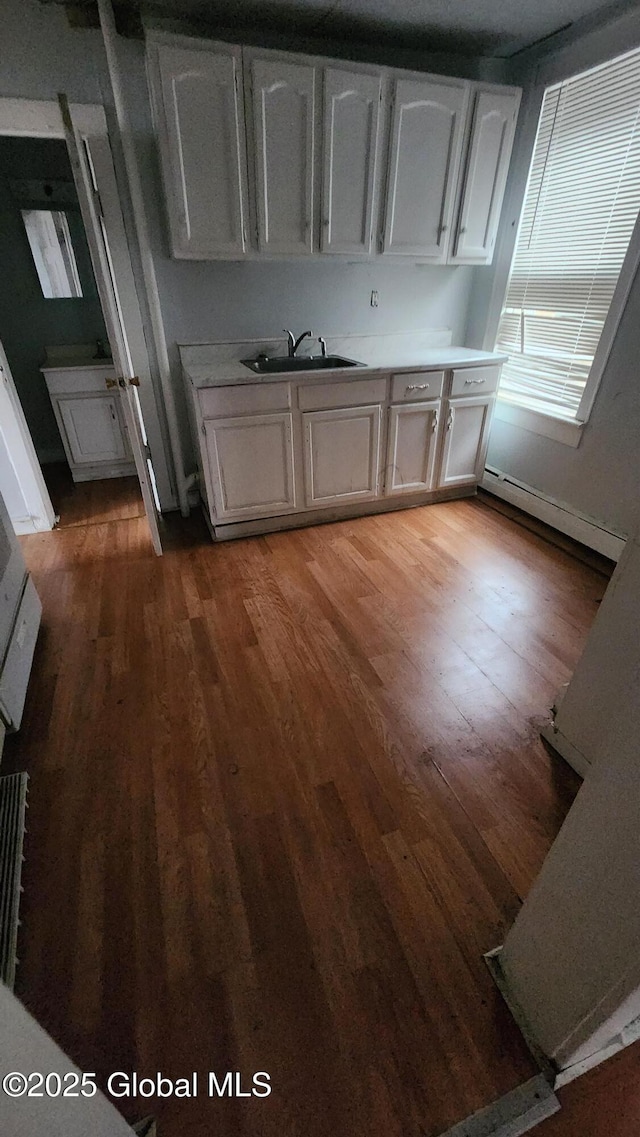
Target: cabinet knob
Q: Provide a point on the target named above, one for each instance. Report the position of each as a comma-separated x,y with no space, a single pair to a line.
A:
110,384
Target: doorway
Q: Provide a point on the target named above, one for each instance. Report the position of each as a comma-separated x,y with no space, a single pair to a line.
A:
99,422
54,336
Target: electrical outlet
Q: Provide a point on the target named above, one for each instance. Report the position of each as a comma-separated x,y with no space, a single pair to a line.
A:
374,298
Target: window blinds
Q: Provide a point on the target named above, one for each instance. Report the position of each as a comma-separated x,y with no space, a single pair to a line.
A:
580,208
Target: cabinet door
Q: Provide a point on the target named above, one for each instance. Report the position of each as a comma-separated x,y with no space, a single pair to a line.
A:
494,123
93,429
283,96
426,141
351,114
341,455
411,451
465,440
251,465
203,150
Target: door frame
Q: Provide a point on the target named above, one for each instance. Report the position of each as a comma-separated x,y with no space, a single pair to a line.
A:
40,516
43,119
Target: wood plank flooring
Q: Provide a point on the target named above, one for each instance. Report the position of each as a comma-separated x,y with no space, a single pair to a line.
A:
285,792
91,503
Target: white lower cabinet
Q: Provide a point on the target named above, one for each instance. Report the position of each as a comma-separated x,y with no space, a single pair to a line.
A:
412,448
93,429
466,433
341,455
250,462
90,421
296,446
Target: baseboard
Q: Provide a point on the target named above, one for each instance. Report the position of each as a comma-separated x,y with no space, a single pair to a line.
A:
556,514
556,1078
566,749
511,1115
626,1037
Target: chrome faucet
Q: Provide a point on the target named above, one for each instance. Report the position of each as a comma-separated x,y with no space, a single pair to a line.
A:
294,344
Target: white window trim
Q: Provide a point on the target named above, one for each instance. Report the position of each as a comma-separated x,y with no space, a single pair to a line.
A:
568,431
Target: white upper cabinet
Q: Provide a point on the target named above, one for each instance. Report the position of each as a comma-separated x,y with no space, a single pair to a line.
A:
198,102
426,141
492,132
283,121
350,139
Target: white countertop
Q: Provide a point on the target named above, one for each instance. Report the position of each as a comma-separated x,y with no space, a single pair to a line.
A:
73,364
218,365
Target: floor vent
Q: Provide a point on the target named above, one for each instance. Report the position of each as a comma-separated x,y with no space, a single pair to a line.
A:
13,804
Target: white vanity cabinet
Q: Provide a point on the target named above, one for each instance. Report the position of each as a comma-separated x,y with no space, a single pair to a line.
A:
489,152
198,104
90,421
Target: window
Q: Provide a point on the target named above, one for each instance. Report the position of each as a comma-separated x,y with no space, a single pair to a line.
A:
580,208
50,241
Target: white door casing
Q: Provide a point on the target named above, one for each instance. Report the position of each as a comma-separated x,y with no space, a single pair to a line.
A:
283,100
250,461
466,434
492,134
341,455
21,482
351,112
200,114
412,447
426,143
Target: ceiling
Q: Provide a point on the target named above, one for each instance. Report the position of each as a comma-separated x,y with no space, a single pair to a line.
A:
477,28
465,27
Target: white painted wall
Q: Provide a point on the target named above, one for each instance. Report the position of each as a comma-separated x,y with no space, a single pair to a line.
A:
25,1047
571,959
600,477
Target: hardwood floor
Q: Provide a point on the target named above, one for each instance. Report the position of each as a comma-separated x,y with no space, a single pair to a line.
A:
285,791
91,503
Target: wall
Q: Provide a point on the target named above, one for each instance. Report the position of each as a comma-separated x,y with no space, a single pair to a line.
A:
28,321
600,477
25,1046
204,301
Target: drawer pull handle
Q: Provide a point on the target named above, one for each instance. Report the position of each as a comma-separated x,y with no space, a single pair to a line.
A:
450,420
418,387
470,382
435,423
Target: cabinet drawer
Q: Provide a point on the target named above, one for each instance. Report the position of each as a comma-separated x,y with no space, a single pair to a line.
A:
415,385
352,393
246,398
475,380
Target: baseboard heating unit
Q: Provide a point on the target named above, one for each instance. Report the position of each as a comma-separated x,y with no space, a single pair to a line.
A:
557,514
13,805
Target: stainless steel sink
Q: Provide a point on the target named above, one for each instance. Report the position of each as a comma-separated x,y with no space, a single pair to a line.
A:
285,363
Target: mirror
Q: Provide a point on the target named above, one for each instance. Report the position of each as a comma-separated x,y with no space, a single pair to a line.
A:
52,251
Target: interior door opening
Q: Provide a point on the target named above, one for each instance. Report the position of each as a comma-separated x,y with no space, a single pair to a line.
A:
57,350
73,443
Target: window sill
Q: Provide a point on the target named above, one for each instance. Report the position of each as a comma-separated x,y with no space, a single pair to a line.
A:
560,429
